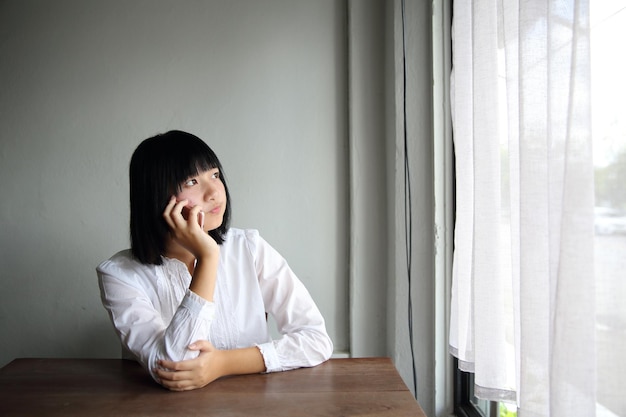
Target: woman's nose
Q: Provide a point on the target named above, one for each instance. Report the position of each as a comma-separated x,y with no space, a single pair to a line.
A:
210,192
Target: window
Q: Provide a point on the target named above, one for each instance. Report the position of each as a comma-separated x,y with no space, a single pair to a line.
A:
608,98
555,147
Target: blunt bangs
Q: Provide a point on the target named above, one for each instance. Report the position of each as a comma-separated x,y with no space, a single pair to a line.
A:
175,156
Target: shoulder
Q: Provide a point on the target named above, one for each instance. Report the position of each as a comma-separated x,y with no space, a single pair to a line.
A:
122,263
250,241
236,234
242,239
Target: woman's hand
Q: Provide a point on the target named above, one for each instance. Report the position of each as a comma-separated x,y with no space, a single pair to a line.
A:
186,226
210,364
187,231
193,373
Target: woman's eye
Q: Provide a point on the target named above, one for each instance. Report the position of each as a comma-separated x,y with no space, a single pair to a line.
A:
216,174
191,182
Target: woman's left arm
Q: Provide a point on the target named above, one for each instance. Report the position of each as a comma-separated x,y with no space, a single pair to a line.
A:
210,365
305,341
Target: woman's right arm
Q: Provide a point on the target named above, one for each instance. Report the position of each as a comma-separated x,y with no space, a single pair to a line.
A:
187,232
130,297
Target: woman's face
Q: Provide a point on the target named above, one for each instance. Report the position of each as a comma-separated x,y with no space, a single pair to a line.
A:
207,191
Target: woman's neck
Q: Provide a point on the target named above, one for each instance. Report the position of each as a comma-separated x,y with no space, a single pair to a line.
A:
175,251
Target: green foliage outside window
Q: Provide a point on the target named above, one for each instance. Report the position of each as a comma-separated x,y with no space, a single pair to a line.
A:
506,412
609,183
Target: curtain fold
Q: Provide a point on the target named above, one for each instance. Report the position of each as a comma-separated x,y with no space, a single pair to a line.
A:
522,308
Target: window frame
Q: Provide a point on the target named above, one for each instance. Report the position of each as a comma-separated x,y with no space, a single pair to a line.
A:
465,403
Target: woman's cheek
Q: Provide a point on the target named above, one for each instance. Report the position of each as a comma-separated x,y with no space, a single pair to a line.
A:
184,196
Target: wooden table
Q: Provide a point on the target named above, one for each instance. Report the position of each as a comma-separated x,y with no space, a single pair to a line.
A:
116,387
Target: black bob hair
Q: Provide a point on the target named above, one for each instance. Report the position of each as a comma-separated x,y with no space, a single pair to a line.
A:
158,168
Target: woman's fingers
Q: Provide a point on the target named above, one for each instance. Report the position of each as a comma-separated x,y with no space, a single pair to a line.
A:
173,212
194,215
186,226
179,376
190,373
168,211
202,345
177,381
177,214
173,366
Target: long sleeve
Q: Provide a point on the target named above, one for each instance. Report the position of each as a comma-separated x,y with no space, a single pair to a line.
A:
304,340
152,323
157,317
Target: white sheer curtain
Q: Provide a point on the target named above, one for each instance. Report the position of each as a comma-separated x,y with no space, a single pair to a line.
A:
523,313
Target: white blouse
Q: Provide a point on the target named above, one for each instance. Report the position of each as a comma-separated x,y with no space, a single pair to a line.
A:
156,316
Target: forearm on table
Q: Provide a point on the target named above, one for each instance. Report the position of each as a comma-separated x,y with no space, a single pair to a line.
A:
241,361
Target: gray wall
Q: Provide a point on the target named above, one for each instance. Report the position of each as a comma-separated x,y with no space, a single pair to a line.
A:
264,83
303,102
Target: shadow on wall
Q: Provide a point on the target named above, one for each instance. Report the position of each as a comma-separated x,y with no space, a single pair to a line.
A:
98,341
55,336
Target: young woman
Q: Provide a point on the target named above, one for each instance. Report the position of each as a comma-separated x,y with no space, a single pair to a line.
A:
190,299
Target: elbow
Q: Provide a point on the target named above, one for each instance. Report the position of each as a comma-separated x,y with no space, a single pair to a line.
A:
323,351
164,352
328,349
